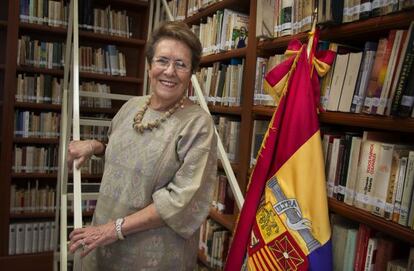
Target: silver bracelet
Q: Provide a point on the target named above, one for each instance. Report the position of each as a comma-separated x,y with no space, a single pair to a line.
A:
118,228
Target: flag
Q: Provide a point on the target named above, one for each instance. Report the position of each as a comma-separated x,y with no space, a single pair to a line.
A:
284,222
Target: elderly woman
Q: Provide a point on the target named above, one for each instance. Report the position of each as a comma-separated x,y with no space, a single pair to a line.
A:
160,167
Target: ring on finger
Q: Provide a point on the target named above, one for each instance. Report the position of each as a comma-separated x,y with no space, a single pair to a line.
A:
83,243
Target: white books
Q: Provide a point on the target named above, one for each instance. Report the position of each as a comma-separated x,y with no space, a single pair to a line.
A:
382,178
352,172
28,237
370,257
333,163
19,238
338,78
350,82
402,167
366,173
390,72
40,247
12,239
407,191
46,241
35,240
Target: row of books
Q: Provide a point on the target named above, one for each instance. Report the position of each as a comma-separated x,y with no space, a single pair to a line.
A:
263,66
344,11
108,60
223,201
194,6
258,134
36,124
177,8
32,198
55,13
31,159
40,54
39,89
226,30
375,81
276,18
359,248
222,83
371,174
229,132
94,132
92,102
31,237
214,243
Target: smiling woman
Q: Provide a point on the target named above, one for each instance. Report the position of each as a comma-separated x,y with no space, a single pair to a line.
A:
160,168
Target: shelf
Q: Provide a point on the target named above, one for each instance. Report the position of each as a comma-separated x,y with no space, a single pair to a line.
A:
388,123
378,223
57,108
84,75
236,53
227,221
127,4
83,35
36,261
234,166
35,140
345,32
369,121
26,176
229,110
31,215
35,215
37,106
210,10
202,259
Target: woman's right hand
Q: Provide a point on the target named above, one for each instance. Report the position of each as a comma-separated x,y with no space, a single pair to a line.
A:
80,151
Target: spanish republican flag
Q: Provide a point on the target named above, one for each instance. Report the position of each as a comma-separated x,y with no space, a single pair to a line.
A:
284,222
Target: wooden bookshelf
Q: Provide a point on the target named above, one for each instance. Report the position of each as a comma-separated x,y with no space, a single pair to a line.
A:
388,123
36,215
37,261
228,110
227,221
236,53
132,84
84,75
240,5
378,223
83,35
35,140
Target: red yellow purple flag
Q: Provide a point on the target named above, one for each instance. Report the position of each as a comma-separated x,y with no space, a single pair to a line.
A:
284,222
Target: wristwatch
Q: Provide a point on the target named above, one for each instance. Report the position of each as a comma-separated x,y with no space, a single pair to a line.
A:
118,228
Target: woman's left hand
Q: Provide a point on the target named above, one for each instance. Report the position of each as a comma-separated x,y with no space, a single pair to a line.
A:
91,237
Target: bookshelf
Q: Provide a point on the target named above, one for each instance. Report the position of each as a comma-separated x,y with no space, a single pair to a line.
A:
353,33
11,29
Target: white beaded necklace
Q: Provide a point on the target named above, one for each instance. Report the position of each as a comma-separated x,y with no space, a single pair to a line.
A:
141,127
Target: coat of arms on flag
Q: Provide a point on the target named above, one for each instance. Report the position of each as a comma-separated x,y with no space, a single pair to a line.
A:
284,223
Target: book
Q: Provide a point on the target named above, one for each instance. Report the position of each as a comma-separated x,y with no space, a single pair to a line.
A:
350,82
337,83
352,171
404,67
375,80
366,173
382,177
407,191
370,49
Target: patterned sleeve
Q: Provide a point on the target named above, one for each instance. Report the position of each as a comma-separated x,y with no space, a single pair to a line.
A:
185,202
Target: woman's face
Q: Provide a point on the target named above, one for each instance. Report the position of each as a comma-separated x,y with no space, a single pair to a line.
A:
170,70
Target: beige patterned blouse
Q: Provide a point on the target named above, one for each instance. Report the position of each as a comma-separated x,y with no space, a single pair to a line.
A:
173,166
